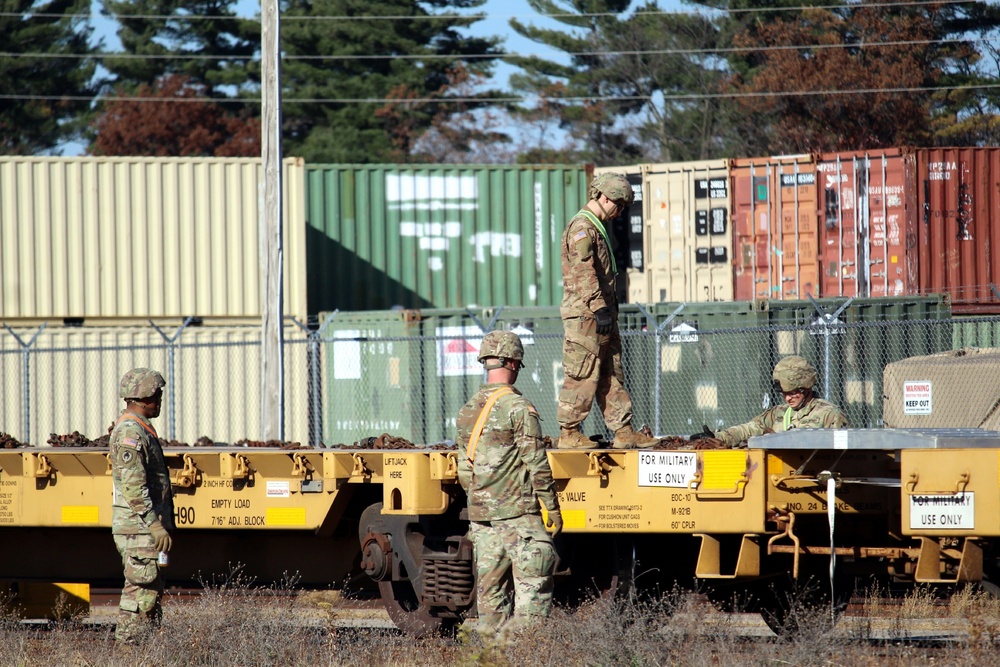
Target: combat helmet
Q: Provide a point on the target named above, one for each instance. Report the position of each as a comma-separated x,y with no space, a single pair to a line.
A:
140,383
793,373
612,185
500,345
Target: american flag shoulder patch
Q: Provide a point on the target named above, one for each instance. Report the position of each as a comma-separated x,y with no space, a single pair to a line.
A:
580,235
130,441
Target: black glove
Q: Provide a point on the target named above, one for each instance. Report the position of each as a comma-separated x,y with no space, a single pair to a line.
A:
705,433
604,320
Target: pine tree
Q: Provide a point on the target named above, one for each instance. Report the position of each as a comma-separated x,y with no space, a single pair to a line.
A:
665,59
364,60
593,125
29,123
203,40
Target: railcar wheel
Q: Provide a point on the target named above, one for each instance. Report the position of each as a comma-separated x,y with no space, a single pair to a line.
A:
408,613
989,587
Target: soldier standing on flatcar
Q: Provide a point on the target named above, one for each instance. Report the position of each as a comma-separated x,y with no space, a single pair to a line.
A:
592,346
795,378
505,473
143,507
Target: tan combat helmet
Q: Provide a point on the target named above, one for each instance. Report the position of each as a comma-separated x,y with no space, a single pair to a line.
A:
793,373
140,383
500,345
612,185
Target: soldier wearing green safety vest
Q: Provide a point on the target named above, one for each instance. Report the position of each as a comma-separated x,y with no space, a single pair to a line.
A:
795,378
592,346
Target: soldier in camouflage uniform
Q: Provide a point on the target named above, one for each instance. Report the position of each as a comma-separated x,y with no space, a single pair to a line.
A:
505,473
143,508
592,347
795,378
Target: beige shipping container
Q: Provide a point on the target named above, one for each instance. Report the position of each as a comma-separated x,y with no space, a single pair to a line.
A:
72,379
112,237
687,231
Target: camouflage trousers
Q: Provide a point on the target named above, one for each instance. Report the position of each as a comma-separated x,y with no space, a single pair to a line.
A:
592,364
140,608
515,559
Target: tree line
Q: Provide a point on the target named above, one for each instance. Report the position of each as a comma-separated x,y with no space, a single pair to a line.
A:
403,80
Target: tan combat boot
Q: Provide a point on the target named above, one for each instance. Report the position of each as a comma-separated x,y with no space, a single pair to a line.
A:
628,438
574,439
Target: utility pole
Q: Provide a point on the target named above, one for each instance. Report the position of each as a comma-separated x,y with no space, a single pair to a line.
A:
272,389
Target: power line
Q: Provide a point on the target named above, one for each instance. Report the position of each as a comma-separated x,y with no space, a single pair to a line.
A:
514,100
504,54
553,15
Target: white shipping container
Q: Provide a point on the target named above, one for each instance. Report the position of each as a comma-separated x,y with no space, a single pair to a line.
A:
112,237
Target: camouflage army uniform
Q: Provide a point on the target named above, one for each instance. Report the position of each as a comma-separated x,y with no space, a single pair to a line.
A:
592,363
816,413
507,479
142,494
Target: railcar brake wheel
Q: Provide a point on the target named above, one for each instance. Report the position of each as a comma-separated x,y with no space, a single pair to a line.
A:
407,612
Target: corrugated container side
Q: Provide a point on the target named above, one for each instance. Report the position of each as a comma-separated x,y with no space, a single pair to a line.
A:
450,372
775,227
440,236
713,367
688,231
151,237
370,360
73,376
959,235
868,226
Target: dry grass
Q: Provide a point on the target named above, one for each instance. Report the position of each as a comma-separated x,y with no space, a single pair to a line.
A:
232,624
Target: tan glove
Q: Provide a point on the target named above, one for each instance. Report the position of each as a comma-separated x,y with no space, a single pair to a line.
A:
555,522
161,538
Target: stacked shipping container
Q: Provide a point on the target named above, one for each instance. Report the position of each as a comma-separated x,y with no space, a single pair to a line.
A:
132,237
437,236
958,225
775,228
878,223
875,223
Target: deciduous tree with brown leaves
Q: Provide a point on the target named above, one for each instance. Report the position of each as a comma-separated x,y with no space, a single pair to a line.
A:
834,85
185,124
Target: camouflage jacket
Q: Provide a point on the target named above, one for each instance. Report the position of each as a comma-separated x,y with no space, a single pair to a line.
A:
817,413
141,480
588,277
510,472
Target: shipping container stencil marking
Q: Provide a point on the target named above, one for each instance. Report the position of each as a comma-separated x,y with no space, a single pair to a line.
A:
500,244
409,193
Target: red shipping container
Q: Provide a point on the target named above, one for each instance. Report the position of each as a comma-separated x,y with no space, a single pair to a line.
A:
868,223
958,222
775,228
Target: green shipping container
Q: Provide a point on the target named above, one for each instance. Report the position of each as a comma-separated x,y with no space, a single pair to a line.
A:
437,236
712,370
369,359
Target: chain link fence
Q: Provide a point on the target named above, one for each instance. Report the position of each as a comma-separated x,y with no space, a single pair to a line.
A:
60,380
408,373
